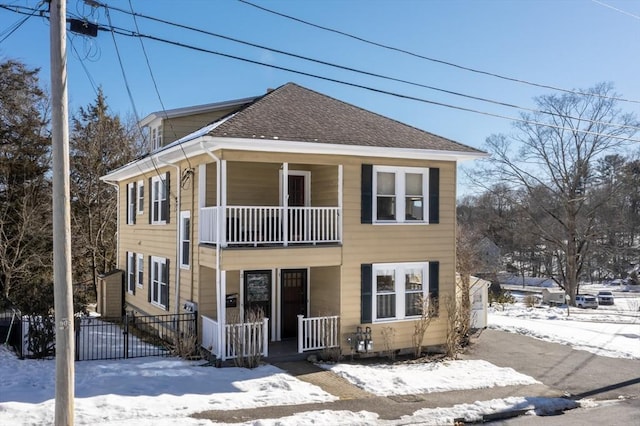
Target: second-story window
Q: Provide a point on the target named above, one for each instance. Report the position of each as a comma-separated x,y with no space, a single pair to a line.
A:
159,212
399,195
131,203
140,197
156,137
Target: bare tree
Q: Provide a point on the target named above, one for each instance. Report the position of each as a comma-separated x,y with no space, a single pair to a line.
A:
551,157
99,143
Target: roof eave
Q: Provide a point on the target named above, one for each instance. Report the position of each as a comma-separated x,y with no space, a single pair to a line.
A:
202,144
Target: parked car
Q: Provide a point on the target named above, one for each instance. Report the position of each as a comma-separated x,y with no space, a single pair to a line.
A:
605,298
586,301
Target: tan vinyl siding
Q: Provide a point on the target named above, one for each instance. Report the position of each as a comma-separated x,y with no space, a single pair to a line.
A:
252,184
324,186
324,291
233,286
178,127
207,292
269,258
211,188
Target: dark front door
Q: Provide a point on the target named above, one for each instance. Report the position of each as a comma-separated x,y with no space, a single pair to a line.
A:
257,292
294,300
296,191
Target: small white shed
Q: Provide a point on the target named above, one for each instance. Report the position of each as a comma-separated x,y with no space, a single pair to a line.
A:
553,296
479,295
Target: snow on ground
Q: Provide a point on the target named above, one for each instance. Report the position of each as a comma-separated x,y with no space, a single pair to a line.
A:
165,391
407,379
612,331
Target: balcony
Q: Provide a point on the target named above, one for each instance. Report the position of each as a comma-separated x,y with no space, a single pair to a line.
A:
269,225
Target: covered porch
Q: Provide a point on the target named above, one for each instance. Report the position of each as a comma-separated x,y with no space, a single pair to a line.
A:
252,309
244,203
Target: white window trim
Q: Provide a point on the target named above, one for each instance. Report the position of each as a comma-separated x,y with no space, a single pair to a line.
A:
400,290
162,180
140,197
156,283
400,194
185,215
131,272
132,200
140,270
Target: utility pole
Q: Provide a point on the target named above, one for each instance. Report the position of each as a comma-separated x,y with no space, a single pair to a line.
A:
63,292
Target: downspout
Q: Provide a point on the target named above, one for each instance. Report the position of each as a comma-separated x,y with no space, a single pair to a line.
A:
219,306
178,206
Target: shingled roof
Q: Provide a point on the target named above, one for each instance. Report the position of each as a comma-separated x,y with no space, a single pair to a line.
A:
294,113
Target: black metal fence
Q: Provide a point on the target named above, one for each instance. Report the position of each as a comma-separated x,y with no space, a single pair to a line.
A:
133,336
11,330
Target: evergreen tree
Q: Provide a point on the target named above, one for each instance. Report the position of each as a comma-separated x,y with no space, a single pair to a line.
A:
25,190
99,143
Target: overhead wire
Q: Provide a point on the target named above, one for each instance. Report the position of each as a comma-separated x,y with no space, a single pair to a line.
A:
116,30
135,110
364,72
14,27
439,61
129,33
155,85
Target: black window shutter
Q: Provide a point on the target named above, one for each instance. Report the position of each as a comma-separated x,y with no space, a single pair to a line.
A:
165,289
167,194
366,202
150,200
134,203
434,195
127,204
366,294
150,280
434,284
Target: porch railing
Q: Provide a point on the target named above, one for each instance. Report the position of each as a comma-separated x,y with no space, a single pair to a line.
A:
253,225
318,333
244,339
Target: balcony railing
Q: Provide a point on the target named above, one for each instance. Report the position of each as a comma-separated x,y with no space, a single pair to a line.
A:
251,225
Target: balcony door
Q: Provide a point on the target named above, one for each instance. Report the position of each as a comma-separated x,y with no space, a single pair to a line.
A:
293,293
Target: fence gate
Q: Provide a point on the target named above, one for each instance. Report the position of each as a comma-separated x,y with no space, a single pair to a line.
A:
131,336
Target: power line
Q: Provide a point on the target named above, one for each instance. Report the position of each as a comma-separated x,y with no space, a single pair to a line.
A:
128,33
417,55
364,72
155,84
330,64
13,28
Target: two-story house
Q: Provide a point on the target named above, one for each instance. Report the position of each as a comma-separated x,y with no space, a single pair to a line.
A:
326,216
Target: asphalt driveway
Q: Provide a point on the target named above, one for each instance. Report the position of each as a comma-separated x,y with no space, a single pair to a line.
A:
578,374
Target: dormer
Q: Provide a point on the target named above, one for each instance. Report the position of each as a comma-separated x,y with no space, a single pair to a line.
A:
163,127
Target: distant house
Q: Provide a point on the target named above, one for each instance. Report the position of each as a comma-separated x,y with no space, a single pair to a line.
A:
553,297
325,217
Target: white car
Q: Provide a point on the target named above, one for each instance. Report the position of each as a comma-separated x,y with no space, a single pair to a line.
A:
605,298
586,301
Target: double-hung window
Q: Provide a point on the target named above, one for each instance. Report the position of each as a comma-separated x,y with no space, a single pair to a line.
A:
131,272
399,290
185,239
159,282
160,199
140,271
131,203
399,195
140,197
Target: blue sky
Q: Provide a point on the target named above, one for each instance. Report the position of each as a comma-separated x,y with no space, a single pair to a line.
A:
563,43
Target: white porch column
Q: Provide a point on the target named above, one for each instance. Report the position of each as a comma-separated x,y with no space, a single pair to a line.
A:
222,320
222,204
285,204
340,174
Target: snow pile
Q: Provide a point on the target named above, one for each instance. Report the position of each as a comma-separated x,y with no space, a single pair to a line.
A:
407,379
